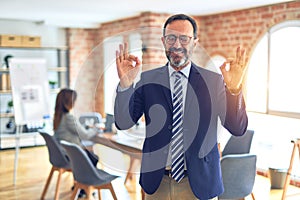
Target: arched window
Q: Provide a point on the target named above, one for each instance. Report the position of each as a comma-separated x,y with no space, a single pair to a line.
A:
273,77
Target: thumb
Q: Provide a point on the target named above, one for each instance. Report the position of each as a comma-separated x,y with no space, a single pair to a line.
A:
223,68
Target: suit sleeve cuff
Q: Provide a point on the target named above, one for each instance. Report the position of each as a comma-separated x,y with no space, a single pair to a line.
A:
120,89
235,92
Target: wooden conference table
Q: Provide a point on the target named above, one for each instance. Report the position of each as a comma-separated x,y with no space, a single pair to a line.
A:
129,142
126,142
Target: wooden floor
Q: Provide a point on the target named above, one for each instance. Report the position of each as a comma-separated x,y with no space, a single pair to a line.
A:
34,168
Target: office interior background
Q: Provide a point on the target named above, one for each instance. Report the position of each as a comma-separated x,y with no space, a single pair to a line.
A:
269,33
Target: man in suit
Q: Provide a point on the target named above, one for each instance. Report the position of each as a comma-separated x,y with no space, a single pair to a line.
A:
205,96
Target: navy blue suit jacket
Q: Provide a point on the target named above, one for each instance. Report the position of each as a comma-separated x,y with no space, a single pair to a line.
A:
206,100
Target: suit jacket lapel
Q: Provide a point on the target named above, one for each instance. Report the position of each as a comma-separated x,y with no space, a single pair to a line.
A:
192,88
164,80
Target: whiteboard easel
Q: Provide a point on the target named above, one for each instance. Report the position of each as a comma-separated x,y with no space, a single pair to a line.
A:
30,92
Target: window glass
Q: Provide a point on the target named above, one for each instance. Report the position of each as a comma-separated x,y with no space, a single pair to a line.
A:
285,70
257,76
111,78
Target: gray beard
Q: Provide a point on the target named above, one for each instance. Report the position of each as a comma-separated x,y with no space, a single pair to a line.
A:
182,61
178,64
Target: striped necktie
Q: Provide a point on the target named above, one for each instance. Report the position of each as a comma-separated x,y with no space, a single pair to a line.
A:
177,152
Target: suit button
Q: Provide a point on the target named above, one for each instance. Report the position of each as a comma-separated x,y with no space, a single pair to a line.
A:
170,127
206,159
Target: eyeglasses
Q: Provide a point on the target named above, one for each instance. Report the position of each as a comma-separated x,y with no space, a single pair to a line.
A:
183,39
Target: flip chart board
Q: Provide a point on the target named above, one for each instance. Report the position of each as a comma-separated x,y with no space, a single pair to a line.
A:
30,89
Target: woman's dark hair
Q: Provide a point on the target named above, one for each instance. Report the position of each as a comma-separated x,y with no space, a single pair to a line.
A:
65,100
181,17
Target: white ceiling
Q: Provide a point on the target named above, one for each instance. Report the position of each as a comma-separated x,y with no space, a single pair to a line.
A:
91,13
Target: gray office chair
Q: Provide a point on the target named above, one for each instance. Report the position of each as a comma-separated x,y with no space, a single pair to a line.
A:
238,173
58,159
86,176
239,144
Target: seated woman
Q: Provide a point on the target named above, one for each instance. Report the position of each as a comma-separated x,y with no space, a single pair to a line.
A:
66,126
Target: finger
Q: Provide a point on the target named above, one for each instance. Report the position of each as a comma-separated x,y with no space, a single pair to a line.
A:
228,63
246,58
125,50
243,57
121,52
229,60
135,62
224,71
224,67
131,57
117,58
238,55
138,62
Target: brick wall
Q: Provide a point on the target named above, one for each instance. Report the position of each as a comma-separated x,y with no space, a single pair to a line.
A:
222,33
83,70
219,34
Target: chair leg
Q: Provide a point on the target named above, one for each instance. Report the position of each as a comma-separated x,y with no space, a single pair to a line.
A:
47,183
60,172
88,192
110,187
75,192
252,195
99,194
129,173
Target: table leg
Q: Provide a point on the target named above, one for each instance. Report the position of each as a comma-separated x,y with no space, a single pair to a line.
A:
288,176
143,194
130,169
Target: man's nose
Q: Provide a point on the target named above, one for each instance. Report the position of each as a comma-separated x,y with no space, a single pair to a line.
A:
177,43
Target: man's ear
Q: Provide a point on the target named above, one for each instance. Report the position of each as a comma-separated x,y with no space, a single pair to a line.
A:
163,41
195,42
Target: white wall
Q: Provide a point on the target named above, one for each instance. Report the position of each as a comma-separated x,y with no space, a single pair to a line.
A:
50,35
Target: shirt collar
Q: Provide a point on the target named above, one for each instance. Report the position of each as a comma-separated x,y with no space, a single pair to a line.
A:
185,71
